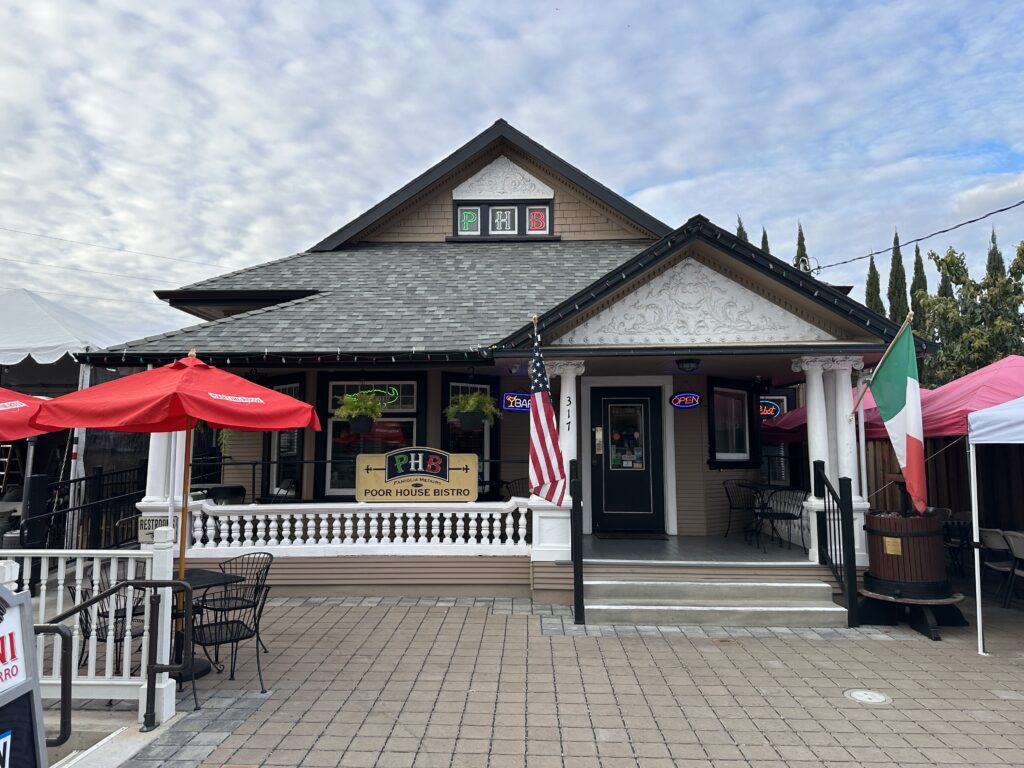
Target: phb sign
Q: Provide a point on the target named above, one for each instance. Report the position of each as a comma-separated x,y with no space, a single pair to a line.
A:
416,474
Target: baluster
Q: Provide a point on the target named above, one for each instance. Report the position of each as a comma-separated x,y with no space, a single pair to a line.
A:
272,540
247,531
521,523
311,528
509,530
348,528
472,527
57,641
360,527
385,527
110,651
236,531
93,611
76,634
496,528
335,528
44,577
225,532
485,528
447,517
373,528
261,531
421,525
324,529
286,529
144,655
197,530
435,527
460,527
211,531
126,643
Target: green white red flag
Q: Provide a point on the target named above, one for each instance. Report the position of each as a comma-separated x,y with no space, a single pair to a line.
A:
897,394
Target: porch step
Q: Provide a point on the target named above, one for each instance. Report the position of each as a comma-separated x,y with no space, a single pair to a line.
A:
712,603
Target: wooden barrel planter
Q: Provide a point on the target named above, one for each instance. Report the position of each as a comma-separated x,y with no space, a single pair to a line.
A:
906,557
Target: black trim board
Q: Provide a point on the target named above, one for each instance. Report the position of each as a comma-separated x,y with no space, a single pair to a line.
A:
494,382
499,131
272,382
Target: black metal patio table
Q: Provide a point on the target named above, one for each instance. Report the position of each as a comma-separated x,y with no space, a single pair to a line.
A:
201,580
763,493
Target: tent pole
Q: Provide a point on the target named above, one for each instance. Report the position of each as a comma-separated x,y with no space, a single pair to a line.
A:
863,447
185,477
977,544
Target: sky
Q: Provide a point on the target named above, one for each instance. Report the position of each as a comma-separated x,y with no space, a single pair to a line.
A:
214,136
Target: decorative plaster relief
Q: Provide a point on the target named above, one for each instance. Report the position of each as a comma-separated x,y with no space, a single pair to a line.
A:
503,180
690,303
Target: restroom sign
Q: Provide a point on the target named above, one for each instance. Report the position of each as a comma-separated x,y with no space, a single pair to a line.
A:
417,474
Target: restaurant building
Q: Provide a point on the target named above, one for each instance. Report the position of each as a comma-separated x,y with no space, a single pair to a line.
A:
663,346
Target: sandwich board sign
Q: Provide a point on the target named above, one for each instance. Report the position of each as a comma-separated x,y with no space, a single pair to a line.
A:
22,740
417,474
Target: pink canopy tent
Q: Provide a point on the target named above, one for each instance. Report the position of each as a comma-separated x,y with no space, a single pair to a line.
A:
792,427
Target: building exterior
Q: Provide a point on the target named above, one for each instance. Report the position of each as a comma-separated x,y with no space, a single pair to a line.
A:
661,344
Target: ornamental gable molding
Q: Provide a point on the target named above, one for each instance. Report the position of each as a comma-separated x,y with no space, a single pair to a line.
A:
503,180
691,304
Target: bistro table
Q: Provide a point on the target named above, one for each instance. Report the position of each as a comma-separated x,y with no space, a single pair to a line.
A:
201,580
763,493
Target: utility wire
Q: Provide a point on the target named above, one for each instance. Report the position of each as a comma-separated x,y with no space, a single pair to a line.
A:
149,303
921,239
107,247
90,271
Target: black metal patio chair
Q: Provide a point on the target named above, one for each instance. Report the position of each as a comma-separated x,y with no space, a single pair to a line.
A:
254,569
784,506
741,501
112,617
221,619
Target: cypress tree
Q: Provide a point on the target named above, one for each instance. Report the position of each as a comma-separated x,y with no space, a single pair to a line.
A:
918,291
873,290
945,284
994,267
741,232
801,261
897,291
764,240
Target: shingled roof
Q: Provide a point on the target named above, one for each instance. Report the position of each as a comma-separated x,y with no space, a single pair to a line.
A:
386,298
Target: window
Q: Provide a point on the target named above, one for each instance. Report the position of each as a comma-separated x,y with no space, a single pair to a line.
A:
395,429
285,469
471,441
731,424
502,220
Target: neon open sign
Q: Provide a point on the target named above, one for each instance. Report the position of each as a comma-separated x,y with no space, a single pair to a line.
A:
515,401
685,400
769,409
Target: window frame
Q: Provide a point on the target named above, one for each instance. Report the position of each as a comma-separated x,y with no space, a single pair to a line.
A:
752,458
491,474
267,483
521,211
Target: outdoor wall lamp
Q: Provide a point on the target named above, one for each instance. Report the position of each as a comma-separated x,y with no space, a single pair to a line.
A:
688,364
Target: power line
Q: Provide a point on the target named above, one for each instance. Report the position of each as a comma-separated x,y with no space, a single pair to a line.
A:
921,239
90,271
108,247
94,298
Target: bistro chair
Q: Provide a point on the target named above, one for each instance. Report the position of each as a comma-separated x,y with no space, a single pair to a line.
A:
996,551
785,506
518,487
285,491
226,494
221,619
112,615
254,568
741,501
1015,540
956,536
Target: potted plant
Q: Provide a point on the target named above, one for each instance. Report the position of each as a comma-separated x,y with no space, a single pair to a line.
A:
471,410
360,409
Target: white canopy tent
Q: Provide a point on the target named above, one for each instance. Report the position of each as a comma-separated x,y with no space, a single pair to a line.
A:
1000,424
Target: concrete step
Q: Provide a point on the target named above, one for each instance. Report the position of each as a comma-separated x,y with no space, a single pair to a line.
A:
689,590
745,603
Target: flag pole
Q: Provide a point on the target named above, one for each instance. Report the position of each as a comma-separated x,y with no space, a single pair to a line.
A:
910,316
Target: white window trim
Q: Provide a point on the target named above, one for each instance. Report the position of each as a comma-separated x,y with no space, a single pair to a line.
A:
293,390
720,455
547,220
515,220
458,218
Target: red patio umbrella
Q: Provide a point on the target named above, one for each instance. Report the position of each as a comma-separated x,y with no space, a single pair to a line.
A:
172,399
15,411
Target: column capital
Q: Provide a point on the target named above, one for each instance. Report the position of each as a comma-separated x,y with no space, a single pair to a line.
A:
562,368
803,364
844,363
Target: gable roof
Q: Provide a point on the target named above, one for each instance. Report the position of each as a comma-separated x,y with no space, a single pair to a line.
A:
500,131
700,228
386,298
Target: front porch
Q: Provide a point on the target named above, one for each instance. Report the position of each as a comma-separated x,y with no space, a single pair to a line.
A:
695,551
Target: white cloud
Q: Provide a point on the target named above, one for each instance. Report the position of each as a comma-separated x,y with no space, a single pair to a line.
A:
237,133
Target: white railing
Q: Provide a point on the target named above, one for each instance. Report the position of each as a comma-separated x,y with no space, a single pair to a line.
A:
483,528
110,639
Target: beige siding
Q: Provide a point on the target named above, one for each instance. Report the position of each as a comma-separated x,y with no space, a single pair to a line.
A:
577,216
245,447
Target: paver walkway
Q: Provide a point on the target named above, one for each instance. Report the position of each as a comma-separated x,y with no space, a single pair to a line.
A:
400,683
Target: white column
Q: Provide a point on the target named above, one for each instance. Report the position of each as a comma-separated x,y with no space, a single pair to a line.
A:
817,418
568,416
843,427
156,468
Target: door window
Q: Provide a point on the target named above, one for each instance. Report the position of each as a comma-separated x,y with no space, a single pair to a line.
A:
626,437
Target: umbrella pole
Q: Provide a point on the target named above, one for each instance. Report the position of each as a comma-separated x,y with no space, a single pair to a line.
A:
973,467
186,476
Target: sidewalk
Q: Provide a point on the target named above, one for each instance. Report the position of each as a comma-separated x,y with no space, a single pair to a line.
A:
399,683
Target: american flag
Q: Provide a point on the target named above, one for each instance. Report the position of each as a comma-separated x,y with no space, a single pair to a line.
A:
547,475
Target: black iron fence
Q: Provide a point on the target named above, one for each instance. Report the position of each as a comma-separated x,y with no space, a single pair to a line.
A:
835,536
93,512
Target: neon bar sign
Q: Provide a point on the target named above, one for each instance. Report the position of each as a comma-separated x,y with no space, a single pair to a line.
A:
515,401
769,409
685,400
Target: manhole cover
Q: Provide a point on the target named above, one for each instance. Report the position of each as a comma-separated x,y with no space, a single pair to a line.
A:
865,696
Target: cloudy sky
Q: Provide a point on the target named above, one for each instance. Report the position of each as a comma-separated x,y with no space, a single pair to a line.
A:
213,136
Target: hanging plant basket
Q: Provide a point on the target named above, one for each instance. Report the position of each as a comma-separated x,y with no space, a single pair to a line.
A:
360,425
471,421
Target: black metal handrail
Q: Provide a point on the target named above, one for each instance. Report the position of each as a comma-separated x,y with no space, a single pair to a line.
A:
835,536
576,541
65,680
152,667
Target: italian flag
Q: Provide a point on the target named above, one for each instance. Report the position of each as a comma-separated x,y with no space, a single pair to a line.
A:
898,397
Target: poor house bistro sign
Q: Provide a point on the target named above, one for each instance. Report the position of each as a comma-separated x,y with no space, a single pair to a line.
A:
416,474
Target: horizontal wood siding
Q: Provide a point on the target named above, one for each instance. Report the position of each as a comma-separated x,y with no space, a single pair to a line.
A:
690,426
551,576
245,446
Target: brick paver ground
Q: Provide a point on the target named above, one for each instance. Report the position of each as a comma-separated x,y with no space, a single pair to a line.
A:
414,683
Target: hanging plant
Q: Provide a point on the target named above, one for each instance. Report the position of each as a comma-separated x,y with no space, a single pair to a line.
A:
360,410
224,441
471,410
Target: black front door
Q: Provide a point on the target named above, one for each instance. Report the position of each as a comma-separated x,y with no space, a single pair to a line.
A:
626,461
